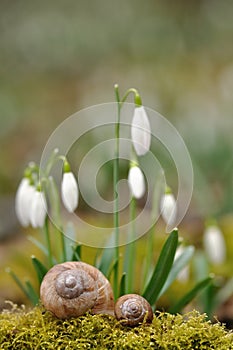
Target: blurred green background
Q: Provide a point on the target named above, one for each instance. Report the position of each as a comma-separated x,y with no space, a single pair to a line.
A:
58,57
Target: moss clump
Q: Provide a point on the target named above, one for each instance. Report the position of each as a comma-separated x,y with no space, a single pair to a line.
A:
37,329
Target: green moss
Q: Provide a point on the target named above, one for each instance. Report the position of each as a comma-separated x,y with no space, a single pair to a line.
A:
37,329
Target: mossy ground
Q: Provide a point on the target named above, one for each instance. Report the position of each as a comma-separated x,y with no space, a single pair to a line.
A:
37,329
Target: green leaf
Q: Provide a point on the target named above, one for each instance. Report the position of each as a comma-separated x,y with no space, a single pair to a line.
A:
40,269
177,266
200,265
224,293
200,272
69,239
188,297
112,268
54,198
33,295
106,260
27,289
51,161
122,288
162,268
107,256
77,252
38,244
18,282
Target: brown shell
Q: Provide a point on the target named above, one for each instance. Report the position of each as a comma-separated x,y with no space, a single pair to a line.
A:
133,309
73,288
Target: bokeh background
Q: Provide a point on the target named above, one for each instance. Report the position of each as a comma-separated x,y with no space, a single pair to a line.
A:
58,57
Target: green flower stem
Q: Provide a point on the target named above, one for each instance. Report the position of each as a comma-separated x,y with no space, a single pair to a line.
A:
131,249
138,102
52,160
151,234
56,213
63,244
149,256
48,242
115,187
137,98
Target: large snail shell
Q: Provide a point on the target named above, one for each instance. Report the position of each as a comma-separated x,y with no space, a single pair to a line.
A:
73,288
133,309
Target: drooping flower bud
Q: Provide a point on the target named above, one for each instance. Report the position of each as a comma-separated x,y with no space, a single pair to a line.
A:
38,209
23,201
214,244
168,208
69,189
140,131
136,182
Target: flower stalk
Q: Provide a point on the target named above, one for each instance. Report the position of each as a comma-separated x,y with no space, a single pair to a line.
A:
48,242
135,179
115,189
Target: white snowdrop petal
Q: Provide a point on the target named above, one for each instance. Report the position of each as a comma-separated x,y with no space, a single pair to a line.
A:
18,202
23,200
38,209
214,244
136,182
141,131
69,191
168,208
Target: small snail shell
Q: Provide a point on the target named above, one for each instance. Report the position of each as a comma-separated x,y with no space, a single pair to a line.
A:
133,309
73,288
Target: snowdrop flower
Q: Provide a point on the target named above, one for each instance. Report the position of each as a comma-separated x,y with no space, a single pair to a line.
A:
38,209
168,208
136,182
140,131
23,201
69,189
214,244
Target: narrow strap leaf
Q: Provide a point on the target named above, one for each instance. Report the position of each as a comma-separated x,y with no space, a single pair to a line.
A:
122,288
40,269
33,295
108,255
106,260
77,253
224,293
38,244
162,268
27,289
54,199
177,266
69,239
112,268
185,300
18,282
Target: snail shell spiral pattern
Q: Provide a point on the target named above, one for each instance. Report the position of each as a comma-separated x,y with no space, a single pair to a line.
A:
133,309
72,288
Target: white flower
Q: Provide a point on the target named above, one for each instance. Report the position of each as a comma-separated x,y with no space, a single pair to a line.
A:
168,208
136,182
23,201
38,209
69,191
141,131
214,244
